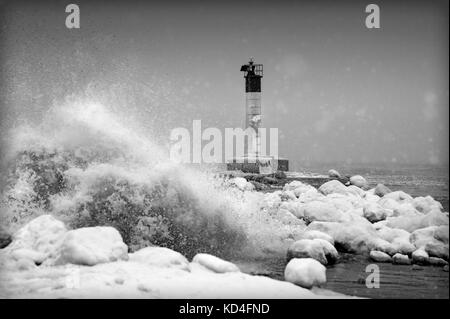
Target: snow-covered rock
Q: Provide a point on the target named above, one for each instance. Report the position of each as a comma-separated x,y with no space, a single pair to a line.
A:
355,190
318,249
413,221
160,257
381,190
242,184
215,264
435,261
353,236
333,186
91,246
374,212
37,240
315,234
437,249
359,181
422,236
400,259
420,256
426,204
321,211
399,196
380,256
305,272
332,173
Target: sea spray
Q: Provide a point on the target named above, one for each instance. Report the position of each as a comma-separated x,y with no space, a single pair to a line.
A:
85,166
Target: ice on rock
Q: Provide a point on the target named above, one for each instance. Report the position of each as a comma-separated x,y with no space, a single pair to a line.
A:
160,257
332,173
91,246
299,188
437,249
242,184
355,190
318,249
426,204
374,212
420,256
215,264
380,256
305,272
359,181
37,240
315,234
389,203
340,202
333,186
399,196
399,239
413,221
436,261
421,237
321,211
381,190
287,218
400,259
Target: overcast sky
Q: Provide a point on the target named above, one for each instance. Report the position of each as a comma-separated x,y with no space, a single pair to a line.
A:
336,90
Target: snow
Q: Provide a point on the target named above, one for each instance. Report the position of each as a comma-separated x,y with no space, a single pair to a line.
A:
91,246
380,256
215,264
420,256
374,212
242,184
333,186
334,173
401,259
161,257
36,241
381,190
305,272
359,181
318,249
321,211
315,234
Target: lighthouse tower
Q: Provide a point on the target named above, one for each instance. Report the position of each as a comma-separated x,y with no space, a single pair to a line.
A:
253,74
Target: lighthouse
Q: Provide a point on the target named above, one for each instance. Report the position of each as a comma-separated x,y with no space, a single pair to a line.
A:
253,74
255,160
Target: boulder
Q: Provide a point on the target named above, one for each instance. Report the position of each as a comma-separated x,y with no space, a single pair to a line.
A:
91,246
399,196
399,259
437,249
435,261
160,257
374,212
305,272
318,249
355,190
380,256
321,211
332,173
215,264
333,186
420,256
37,240
426,204
242,184
381,190
315,234
359,181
